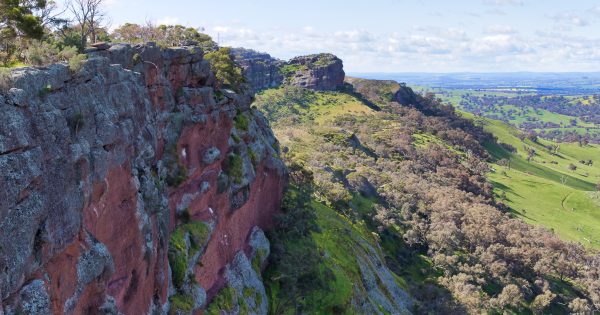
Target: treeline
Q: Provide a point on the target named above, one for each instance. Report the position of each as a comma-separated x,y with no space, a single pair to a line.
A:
39,32
588,112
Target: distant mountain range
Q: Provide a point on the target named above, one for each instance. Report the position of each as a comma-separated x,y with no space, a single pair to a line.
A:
542,82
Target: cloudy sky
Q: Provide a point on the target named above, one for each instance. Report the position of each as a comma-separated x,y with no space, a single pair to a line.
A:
397,35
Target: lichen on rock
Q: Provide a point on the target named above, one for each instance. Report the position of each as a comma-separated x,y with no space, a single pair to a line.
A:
99,165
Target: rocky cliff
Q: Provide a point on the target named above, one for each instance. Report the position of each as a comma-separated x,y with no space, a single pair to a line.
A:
260,69
320,72
132,185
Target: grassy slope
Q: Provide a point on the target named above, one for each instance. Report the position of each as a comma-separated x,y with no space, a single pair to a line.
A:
531,186
549,194
339,236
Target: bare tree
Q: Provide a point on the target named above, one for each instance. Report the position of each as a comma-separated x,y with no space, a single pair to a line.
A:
89,16
51,15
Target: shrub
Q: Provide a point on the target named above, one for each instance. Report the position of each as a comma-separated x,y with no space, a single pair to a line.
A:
178,255
235,168
137,58
45,90
241,121
179,302
67,53
76,62
5,80
41,53
253,157
226,70
224,301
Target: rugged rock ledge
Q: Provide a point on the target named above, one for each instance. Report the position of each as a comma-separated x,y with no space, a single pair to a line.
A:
130,186
320,72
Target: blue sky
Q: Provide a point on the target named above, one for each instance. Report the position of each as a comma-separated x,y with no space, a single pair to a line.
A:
397,35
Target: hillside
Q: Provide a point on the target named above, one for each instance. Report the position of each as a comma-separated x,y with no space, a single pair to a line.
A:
414,174
542,189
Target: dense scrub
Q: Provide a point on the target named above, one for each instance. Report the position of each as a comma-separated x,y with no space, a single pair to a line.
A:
422,170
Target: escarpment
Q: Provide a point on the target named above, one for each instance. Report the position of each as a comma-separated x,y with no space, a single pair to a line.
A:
133,185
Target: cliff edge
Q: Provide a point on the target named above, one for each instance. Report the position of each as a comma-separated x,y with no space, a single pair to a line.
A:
132,185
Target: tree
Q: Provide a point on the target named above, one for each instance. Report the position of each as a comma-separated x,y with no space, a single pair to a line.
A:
226,70
510,296
572,167
580,306
163,35
18,20
89,16
542,301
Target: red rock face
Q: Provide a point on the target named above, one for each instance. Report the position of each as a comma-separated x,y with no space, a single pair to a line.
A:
116,258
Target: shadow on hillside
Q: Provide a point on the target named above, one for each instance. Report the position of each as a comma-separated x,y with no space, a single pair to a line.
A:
349,89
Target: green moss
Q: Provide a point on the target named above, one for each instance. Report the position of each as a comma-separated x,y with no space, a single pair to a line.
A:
235,138
249,292
223,301
260,256
235,168
180,302
45,91
244,309
137,58
258,299
178,256
241,121
253,157
198,232
288,70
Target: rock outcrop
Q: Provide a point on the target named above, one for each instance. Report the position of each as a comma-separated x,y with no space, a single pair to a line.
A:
321,72
260,69
132,185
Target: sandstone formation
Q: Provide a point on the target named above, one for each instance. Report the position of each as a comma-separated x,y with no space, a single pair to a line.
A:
260,69
131,185
321,72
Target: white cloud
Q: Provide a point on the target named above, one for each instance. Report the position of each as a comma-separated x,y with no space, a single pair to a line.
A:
500,29
570,18
499,48
503,2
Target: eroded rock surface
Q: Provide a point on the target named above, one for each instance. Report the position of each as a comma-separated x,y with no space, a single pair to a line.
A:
321,72
104,169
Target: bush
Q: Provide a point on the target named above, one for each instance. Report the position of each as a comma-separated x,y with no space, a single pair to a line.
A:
76,62
41,53
181,303
5,80
241,121
224,301
235,168
226,70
